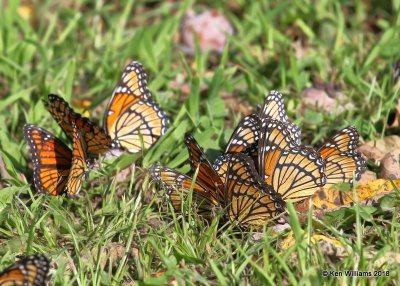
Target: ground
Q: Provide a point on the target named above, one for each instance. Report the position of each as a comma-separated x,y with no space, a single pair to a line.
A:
120,230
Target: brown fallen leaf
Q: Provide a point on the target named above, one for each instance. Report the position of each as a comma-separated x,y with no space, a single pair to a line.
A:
112,252
276,229
329,246
386,152
125,174
367,177
390,258
232,104
327,97
385,145
371,152
210,27
319,98
390,165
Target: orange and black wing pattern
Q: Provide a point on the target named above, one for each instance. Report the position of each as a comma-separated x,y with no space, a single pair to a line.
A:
295,172
342,159
249,201
178,187
95,137
29,271
78,166
221,167
206,174
274,108
51,160
245,136
133,119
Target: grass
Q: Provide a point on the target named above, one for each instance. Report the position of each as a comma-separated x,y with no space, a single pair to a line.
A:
119,231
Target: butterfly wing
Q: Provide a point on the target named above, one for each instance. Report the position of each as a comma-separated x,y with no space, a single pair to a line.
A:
275,138
342,158
97,140
78,166
30,271
250,202
245,135
340,168
345,141
178,187
221,166
133,120
51,160
295,172
207,176
274,108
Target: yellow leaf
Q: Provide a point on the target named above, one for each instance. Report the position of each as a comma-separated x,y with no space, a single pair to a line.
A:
332,199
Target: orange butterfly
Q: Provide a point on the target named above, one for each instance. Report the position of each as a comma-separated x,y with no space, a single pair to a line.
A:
274,108
296,172
246,135
29,271
208,192
96,139
133,121
248,201
342,160
57,169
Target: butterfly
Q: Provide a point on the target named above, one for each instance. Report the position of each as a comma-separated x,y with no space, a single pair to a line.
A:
274,108
29,271
97,140
248,200
57,169
178,187
206,173
246,135
208,192
342,160
294,171
241,192
133,120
